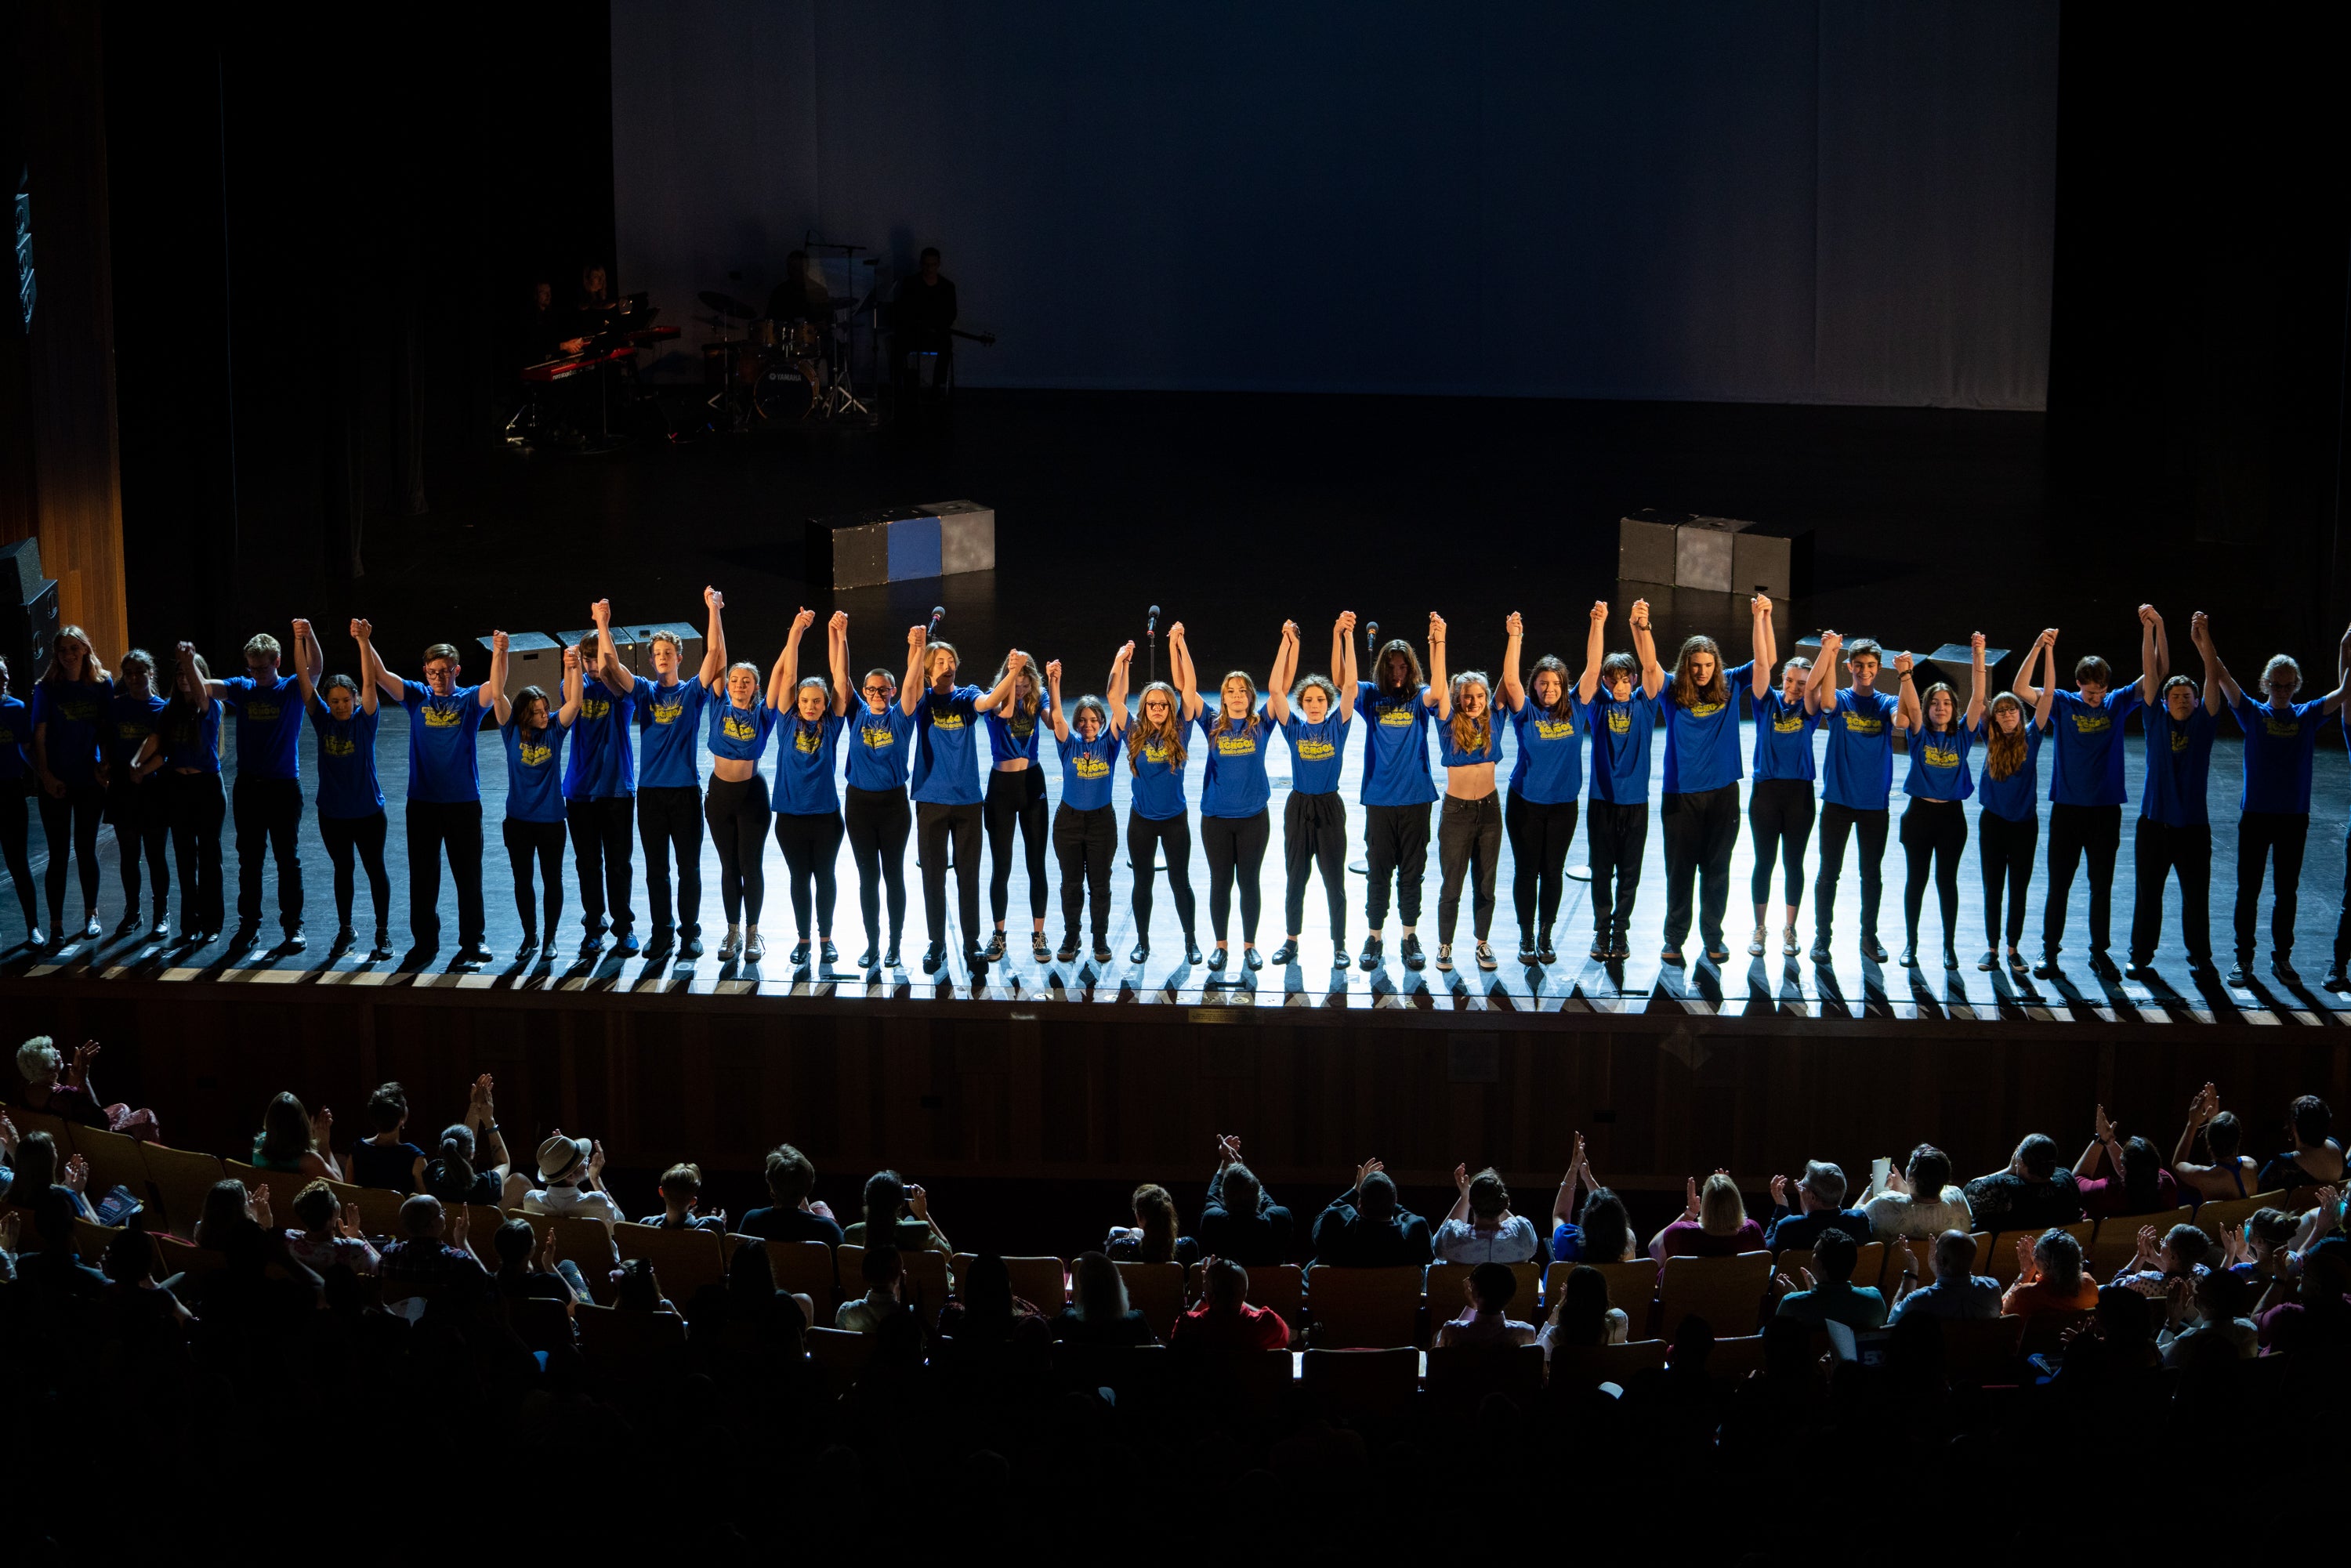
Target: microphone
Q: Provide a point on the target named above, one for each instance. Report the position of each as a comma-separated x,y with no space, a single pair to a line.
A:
1371,636
1151,625
938,613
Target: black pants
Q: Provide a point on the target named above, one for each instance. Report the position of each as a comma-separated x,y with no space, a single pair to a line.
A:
1145,838
2158,849
938,826
143,832
669,824
435,826
1395,849
812,846
360,839
2263,837
600,855
1780,814
1936,832
877,822
1016,798
1539,836
1469,845
72,823
1618,836
541,842
1314,837
16,848
1235,850
1701,828
1837,823
738,812
268,813
2005,849
196,808
2076,832
1083,842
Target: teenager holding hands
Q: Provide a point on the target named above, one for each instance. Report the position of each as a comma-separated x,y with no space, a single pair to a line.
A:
1934,823
810,715
532,731
1700,804
736,807
1781,807
1396,705
2174,832
1469,834
1085,824
444,794
1546,776
351,817
1619,692
1858,781
2008,797
1156,817
1313,718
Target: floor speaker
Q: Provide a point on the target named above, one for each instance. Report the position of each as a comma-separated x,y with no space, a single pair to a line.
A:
28,628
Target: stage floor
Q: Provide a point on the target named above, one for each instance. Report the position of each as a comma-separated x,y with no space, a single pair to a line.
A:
1772,985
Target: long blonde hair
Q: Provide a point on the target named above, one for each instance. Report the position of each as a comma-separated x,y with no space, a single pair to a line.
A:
1468,734
92,672
1224,720
1024,706
2004,749
1720,1210
1169,736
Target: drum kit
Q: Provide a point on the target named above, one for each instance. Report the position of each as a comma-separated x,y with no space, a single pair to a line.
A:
767,370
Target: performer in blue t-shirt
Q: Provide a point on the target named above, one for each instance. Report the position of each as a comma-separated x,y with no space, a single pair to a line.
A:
668,714
185,751
445,792
352,820
1314,817
1546,776
533,733
1858,778
136,806
1395,707
1235,794
811,713
1085,824
1619,694
2008,795
1156,815
738,806
876,816
1934,822
2086,795
1013,710
2273,820
600,785
945,787
68,713
2175,825
15,775
1469,827
266,804
1700,805
1780,804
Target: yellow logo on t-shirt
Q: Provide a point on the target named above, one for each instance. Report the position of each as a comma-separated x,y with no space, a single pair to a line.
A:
1091,767
1401,715
1705,710
1620,721
1790,723
1935,756
442,718
2283,728
946,721
594,707
667,712
1154,752
126,729
534,756
808,742
2092,724
2178,740
1316,751
261,712
336,745
877,738
1554,729
1235,746
1861,724
743,729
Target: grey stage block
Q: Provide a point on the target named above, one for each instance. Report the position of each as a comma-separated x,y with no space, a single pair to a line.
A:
864,550
1775,559
1702,553
533,659
1644,545
967,536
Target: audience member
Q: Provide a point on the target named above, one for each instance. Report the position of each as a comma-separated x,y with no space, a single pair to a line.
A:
1225,1325
883,1271
681,1191
1919,1201
2049,1277
1481,1229
1582,1316
39,1174
329,1235
898,1213
1828,1293
57,1088
1366,1227
1098,1312
1154,1237
2032,1194
1956,1294
792,1215
2218,1325
432,1257
527,1267
2315,1159
571,1180
2138,1185
1820,1197
453,1177
2177,1253
52,1272
637,1289
1713,1223
2232,1173
385,1158
1485,1318
1602,1234
295,1142
1241,1222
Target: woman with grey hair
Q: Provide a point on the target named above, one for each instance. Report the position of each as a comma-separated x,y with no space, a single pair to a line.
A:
57,1087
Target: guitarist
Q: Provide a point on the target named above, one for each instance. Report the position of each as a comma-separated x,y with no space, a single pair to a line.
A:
923,314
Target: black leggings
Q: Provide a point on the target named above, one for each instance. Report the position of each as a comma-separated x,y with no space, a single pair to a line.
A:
78,814
877,822
360,838
737,811
1837,824
1144,836
142,830
1236,847
1780,814
197,806
1539,835
812,846
14,831
1016,796
938,825
1314,837
1933,831
541,842
2006,851
1084,841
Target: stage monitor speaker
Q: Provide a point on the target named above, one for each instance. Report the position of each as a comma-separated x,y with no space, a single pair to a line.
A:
1714,555
533,659
901,544
20,571
27,631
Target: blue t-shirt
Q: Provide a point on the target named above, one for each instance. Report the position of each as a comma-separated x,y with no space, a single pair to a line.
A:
443,769
129,722
1012,735
268,726
15,737
2179,765
535,770
1859,772
2015,798
1783,738
1158,779
1621,737
880,748
1702,740
1235,784
75,711
671,718
200,748
1548,768
806,775
600,767
1450,752
347,782
2278,747
1395,746
740,735
2088,770
1085,769
1314,759
1938,763
946,762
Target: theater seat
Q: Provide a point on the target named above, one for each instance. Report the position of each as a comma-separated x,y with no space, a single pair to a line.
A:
1728,1292
683,1260
1364,1308
1042,1282
1156,1290
182,1180
1632,1290
114,1160
630,1343
842,1355
1363,1383
1460,1377
1583,1366
803,1267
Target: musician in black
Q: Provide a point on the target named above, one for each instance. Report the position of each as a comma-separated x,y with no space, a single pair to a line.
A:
923,314
547,333
799,297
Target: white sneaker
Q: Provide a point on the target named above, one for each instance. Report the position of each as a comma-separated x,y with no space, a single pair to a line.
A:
731,945
1755,944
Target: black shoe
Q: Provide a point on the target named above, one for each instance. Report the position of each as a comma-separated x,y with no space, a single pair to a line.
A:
1191,951
162,930
1039,949
936,958
1251,960
1618,951
382,952
1103,954
2237,975
243,938
591,944
1672,956
1600,949
344,937
1067,954
529,948
830,954
2140,970
1989,962
1717,956
1527,951
690,948
128,924
1285,954
2103,968
2335,980
1414,957
800,954
473,956
1950,956
2016,964
889,959
994,952
660,943
297,940
2048,968
1141,954
2282,967
1871,950
865,959
1547,953
1216,961
1911,957
1821,954
1372,957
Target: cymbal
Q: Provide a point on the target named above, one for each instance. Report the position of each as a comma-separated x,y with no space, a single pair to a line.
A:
727,305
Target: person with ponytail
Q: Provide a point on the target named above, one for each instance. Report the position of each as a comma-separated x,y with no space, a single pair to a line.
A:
1234,794
1934,823
1156,818
68,710
2008,791
1470,831
1546,776
135,805
1395,704
1016,796
453,1176
1314,817
876,816
1154,1236
1085,824
535,824
186,748
811,715
736,807
16,787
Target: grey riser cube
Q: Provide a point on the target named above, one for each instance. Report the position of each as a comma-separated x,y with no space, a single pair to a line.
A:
866,549
1716,555
533,659
967,536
